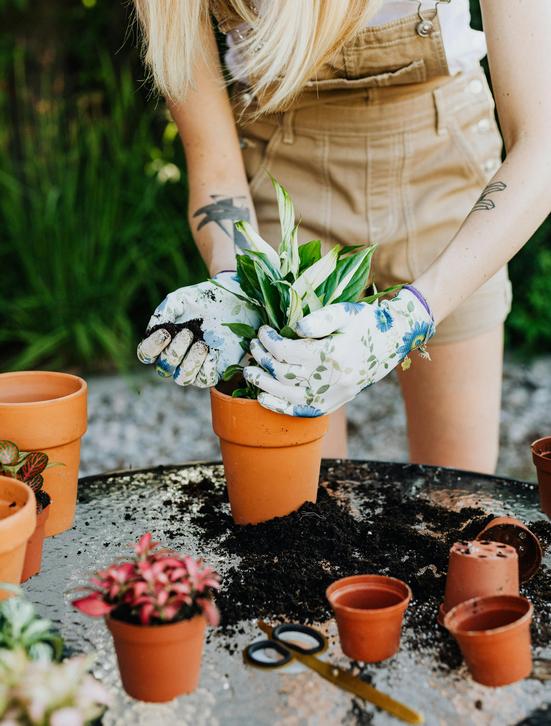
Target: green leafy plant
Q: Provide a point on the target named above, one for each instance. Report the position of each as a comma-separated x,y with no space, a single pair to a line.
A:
287,284
28,467
21,628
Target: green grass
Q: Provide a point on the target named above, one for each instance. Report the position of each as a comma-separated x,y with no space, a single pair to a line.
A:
91,240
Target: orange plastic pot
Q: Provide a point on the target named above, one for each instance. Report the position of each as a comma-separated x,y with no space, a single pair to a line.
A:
46,411
159,662
511,531
271,461
369,610
494,636
33,554
479,569
17,524
541,456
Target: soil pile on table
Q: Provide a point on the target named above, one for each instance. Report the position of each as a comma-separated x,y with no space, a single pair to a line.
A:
286,564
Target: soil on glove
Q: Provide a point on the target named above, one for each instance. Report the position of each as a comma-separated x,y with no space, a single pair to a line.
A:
284,566
174,328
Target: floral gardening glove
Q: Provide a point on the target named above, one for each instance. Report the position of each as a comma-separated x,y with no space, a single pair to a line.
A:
346,347
186,337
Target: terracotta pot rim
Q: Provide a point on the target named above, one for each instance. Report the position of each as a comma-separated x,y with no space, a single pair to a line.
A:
24,517
525,573
136,632
83,386
253,402
345,582
523,618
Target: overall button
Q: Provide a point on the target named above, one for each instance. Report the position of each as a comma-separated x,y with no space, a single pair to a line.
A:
491,165
483,124
476,86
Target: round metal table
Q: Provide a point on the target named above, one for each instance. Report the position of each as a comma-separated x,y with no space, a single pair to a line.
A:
230,692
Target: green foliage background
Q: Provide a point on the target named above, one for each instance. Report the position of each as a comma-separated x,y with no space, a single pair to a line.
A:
93,228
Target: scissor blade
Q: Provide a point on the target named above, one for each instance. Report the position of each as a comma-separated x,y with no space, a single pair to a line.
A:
345,680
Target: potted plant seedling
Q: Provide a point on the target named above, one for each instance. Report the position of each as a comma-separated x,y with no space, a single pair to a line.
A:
42,693
28,467
272,461
156,605
21,628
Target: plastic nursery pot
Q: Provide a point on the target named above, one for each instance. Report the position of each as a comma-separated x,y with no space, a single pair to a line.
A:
17,524
271,461
159,662
46,411
33,553
479,569
541,456
511,531
494,636
369,610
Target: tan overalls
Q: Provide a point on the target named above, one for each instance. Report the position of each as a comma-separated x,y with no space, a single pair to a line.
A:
383,147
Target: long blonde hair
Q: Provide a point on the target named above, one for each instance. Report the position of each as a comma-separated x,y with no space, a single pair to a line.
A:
288,42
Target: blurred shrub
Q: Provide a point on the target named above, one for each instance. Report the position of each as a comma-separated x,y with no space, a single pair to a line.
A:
92,212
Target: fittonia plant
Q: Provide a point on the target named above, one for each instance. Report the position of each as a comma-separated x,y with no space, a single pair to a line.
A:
287,284
28,467
22,629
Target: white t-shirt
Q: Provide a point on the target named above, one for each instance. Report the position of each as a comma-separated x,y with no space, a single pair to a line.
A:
464,46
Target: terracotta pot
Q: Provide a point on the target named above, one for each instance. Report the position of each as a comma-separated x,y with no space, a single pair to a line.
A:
17,524
369,610
479,569
45,411
271,461
159,662
541,456
511,531
494,636
33,554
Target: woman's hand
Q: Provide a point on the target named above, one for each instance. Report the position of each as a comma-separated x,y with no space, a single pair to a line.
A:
187,337
344,348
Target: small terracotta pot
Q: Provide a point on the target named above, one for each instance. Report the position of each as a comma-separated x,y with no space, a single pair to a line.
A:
271,461
541,456
511,531
45,411
369,610
494,636
33,554
159,662
17,524
479,569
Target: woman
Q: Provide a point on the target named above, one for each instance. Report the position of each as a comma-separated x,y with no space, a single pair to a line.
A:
377,118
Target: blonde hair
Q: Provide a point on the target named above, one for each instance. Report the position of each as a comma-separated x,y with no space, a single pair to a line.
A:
288,42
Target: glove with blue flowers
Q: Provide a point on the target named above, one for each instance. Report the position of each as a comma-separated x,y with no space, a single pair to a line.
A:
343,348
186,337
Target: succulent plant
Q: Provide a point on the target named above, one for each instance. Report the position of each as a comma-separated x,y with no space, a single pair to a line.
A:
155,586
26,466
21,628
38,693
287,284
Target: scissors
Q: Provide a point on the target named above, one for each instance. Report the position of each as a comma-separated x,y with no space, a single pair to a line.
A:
289,642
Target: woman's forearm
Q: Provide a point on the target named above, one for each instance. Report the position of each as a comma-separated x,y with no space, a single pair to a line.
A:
509,210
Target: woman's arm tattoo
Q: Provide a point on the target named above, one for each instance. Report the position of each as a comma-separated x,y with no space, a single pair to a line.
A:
224,212
484,202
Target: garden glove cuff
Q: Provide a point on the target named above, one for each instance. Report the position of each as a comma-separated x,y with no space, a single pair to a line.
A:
343,348
187,338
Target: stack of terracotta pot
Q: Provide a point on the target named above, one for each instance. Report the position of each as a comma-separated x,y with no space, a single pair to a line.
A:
39,411
482,606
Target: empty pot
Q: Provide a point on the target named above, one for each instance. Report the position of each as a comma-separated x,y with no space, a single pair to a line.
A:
369,610
511,531
541,456
479,569
494,636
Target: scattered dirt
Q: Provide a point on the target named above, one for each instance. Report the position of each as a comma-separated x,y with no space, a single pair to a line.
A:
174,328
286,564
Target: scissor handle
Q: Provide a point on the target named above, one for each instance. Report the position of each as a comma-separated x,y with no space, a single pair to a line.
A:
262,645
278,631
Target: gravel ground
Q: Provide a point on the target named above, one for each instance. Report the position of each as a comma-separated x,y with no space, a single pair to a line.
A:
141,421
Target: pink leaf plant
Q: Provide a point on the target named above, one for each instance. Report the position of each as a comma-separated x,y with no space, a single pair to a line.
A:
156,586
